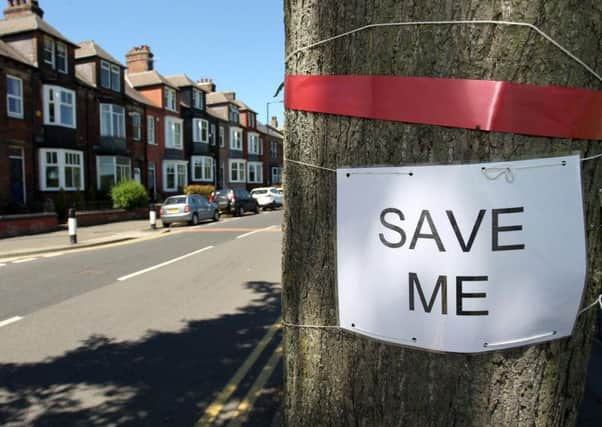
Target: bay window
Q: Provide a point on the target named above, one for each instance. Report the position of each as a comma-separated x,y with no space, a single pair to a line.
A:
202,168
255,172
61,169
221,136
237,170
175,175
212,135
111,170
112,120
173,133
59,106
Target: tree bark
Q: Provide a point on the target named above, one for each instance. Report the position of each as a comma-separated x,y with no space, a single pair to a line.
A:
336,378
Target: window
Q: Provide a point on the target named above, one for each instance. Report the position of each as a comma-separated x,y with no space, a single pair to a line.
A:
49,51
255,172
14,97
136,126
150,130
197,99
112,170
212,134
202,168
200,130
276,175
237,170
274,149
236,139
251,120
170,99
115,78
110,76
112,120
233,114
61,169
175,175
253,143
173,133
221,136
59,106
61,57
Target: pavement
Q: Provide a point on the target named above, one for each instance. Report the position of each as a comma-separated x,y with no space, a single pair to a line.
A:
12,247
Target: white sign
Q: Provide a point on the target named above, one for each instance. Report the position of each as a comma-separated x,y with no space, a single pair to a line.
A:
461,258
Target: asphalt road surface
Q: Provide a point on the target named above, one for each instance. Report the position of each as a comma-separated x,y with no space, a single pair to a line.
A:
179,330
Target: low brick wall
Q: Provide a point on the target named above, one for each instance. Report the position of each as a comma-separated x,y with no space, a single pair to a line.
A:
19,225
85,218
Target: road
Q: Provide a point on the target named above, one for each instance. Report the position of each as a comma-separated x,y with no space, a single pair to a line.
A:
175,330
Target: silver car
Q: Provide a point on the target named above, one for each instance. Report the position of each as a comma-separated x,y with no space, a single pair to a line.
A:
188,208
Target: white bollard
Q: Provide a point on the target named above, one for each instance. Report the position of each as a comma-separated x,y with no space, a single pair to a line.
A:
152,217
72,225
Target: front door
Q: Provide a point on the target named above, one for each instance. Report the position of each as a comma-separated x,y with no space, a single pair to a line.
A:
17,176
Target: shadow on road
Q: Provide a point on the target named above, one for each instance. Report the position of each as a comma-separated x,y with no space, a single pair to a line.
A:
166,378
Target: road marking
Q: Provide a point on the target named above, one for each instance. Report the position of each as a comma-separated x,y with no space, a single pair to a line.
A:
246,404
21,261
242,236
163,264
52,255
216,407
9,321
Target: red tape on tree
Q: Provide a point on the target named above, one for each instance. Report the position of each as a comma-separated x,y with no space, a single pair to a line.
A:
551,111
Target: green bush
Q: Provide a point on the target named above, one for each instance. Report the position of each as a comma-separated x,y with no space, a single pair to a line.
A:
204,190
129,195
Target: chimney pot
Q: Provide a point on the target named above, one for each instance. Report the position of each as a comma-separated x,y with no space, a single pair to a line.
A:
18,8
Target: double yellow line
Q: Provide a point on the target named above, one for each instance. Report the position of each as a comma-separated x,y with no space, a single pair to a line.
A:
246,404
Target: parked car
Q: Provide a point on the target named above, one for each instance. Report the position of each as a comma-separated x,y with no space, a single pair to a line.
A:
188,208
235,201
267,197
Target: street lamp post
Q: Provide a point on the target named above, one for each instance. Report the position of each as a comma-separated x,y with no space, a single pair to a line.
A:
267,110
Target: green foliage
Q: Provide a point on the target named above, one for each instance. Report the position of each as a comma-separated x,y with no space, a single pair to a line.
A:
129,195
204,190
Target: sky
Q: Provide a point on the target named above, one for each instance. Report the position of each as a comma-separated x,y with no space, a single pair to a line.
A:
237,43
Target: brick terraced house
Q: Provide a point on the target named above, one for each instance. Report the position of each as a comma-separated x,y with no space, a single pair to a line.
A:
74,121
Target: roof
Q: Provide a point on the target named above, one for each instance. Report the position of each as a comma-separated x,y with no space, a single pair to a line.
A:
137,96
83,79
269,130
149,78
220,113
89,49
220,98
10,52
30,22
244,107
180,80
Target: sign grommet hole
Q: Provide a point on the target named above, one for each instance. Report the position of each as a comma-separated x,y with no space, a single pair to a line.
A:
348,175
414,339
353,325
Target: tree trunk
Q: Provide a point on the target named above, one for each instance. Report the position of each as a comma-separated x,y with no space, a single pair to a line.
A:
336,378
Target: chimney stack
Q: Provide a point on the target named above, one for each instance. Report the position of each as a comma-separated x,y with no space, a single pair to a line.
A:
139,59
274,122
19,8
206,84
